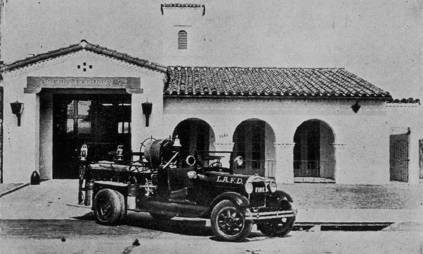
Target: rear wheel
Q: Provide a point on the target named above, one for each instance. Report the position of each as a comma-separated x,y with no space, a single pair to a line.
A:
123,205
228,222
108,207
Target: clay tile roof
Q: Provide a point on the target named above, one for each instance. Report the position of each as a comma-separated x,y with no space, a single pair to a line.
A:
83,45
269,82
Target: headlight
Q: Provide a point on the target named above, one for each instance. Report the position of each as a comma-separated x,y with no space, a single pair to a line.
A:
249,187
192,174
272,186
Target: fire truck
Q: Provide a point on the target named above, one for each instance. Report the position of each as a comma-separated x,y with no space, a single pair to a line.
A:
165,183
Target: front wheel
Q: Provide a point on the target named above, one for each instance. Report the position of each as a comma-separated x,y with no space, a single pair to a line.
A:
228,222
277,227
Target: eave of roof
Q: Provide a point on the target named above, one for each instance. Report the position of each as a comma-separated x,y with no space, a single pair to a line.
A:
284,97
83,45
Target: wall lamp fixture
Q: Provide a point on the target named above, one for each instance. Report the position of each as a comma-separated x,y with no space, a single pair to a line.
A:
356,107
17,109
146,110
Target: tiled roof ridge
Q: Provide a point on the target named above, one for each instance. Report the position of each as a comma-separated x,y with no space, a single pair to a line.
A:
182,5
83,45
41,57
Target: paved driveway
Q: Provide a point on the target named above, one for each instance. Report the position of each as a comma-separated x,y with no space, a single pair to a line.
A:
346,196
49,200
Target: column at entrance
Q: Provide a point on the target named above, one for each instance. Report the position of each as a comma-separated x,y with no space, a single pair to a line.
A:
284,172
46,136
341,156
224,147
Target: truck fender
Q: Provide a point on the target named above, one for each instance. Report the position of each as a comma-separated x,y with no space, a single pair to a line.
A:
236,198
280,195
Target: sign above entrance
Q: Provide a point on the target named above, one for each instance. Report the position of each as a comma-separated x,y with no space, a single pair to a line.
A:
130,84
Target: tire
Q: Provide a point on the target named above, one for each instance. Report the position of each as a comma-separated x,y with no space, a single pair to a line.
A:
108,207
276,227
228,222
158,216
123,205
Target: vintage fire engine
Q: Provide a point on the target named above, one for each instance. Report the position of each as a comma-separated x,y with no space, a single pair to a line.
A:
166,184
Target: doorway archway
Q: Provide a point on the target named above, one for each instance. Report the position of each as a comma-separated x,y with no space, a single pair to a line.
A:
254,140
314,153
196,136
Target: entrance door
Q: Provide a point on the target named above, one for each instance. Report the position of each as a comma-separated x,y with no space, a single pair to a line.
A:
101,121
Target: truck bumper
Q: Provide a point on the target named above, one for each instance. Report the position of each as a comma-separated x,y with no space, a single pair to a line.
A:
267,215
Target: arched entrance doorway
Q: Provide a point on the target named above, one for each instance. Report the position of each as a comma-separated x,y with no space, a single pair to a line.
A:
254,140
196,136
314,154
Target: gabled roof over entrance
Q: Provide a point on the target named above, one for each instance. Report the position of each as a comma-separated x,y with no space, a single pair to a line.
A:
269,82
83,45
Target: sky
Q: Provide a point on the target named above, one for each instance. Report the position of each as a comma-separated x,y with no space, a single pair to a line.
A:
379,40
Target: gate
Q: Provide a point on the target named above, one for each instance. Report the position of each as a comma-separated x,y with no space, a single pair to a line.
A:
421,158
1,134
399,157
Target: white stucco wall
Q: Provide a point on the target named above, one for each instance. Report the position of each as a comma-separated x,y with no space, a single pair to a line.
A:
361,140
20,144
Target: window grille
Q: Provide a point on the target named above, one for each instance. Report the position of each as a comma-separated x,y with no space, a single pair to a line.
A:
182,39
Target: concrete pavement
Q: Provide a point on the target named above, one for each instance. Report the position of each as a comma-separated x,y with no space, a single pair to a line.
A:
11,187
49,200
320,203
297,242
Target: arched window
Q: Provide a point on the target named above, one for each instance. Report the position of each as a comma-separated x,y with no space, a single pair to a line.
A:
182,39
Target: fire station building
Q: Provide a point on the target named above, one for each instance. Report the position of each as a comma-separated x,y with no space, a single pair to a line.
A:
297,124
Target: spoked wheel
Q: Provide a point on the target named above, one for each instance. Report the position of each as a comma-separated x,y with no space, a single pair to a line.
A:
109,207
277,227
228,222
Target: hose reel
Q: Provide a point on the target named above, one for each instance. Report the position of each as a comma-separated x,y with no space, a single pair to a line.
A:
190,160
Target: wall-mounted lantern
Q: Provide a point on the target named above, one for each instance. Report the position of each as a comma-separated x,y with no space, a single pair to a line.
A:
356,107
17,109
146,110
